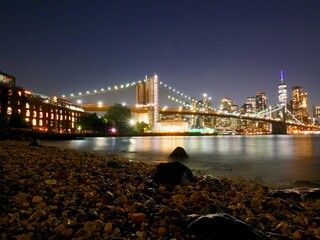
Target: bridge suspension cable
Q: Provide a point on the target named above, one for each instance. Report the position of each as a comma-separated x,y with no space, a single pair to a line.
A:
287,111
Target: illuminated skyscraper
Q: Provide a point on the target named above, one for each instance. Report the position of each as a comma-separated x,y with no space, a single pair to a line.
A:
300,104
225,104
282,91
251,104
316,114
261,102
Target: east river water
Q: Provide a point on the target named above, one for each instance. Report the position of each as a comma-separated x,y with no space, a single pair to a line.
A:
274,158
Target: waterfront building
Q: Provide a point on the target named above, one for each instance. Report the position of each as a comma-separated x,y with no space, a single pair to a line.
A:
39,112
234,108
261,101
282,91
7,98
300,104
251,105
225,104
316,114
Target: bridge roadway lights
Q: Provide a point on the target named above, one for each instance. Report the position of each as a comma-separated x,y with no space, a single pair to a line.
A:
279,128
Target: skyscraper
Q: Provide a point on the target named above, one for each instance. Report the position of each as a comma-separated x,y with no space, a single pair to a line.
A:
282,91
225,104
261,101
300,104
251,104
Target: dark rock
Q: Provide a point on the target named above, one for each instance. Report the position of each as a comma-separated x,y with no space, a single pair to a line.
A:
312,194
179,154
113,164
286,193
210,209
173,173
222,226
310,184
278,236
35,143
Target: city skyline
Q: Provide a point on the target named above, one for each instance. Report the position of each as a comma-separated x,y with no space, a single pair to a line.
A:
233,48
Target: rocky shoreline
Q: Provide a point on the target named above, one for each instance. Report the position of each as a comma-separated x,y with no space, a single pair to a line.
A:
52,193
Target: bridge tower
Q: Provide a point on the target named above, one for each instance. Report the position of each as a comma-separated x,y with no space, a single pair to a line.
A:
280,127
147,95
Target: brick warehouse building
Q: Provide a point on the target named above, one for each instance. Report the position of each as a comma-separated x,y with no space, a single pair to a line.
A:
42,113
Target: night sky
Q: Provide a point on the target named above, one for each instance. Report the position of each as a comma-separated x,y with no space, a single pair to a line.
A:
228,48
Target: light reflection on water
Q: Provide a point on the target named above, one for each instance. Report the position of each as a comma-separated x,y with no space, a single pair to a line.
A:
276,158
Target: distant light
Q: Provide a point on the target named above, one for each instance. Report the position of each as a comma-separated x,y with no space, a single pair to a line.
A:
99,103
123,104
109,88
80,93
115,87
63,96
71,94
88,92
132,122
95,91
102,89
79,101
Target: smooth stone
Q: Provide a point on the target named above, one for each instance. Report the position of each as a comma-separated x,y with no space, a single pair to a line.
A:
173,173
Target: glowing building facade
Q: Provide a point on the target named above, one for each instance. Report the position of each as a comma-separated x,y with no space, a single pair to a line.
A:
261,102
300,104
282,91
38,111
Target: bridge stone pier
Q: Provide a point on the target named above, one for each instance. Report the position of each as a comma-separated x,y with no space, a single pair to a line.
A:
279,128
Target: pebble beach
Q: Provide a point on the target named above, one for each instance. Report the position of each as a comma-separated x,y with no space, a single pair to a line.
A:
53,193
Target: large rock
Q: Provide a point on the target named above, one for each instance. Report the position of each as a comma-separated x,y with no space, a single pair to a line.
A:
179,154
172,173
222,226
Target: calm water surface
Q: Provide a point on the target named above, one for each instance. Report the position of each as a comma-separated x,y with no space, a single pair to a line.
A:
275,158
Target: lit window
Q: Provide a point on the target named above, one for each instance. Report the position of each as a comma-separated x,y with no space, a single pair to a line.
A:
34,122
9,110
61,117
40,122
47,114
34,114
40,115
27,105
52,116
27,120
19,111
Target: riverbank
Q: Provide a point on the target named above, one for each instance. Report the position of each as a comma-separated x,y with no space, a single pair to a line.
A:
52,193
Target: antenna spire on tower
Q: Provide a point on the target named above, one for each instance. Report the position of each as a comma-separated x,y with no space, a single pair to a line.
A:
281,76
